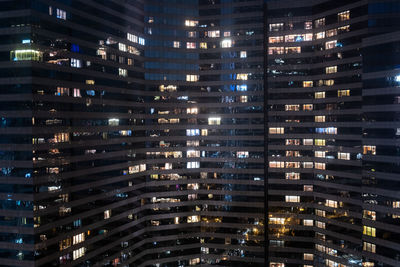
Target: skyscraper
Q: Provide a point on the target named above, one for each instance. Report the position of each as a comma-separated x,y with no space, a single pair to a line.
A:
132,133
332,70
199,132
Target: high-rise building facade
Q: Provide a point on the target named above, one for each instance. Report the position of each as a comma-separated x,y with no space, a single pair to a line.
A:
132,133
331,103
200,132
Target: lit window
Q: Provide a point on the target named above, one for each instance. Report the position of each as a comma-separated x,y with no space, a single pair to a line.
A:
320,166
192,110
344,156
308,188
344,29
203,45
292,198
370,150
192,34
78,238
330,44
276,27
122,72
292,107
319,23
293,50
342,16
78,253
193,164
177,44
396,204
319,118
319,154
214,121
332,69
61,14
319,95
213,34
122,47
192,132
274,220
192,78
133,38
77,92
330,33
276,50
292,176
243,54
193,154
308,165
191,23
320,142
275,39
226,43
62,91
190,45
277,130
242,154
320,213
308,25
320,224
107,214
342,93
242,76
227,34
294,164
369,247
320,35
307,142
308,107
76,63
307,83
276,164
331,203
370,231
113,122
308,223
371,215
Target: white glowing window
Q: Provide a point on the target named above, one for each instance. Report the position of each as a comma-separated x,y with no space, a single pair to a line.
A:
331,69
307,142
192,110
107,214
61,14
226,43
193,164
193,219
320,35
242,76
330,44
320,213
133,38
319,154
113,122
242,154
292,198
78,238
192,78
122,72
191,23
331,203
190,45
320,224
243,54
77,92
78,253
308,223
193,153
276,27
344,156
308,165
275,39
122,47
213,34
292,107
274,220
76,63
177,44
308,256
214,121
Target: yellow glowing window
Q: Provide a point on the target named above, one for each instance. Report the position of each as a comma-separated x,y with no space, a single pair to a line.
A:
342,93
371,150
342,16
308,83
371,231
320,142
